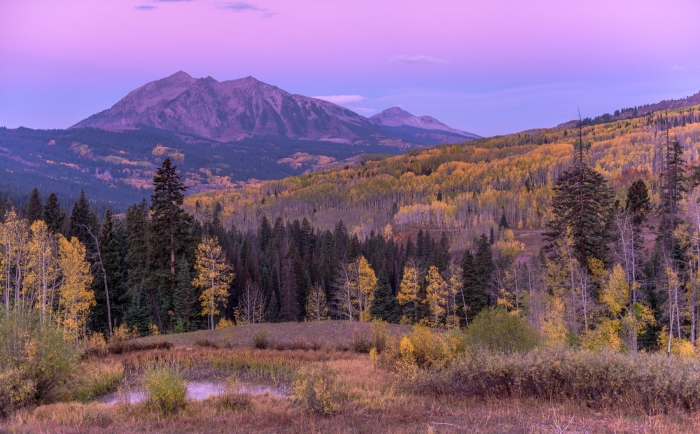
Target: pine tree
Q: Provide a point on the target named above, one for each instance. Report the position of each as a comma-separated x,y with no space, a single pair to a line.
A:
291,283
139,312
384,304
53,215
475,298
34,208
108,274
81,219
185,300
673,186
582,201
169,235
638,203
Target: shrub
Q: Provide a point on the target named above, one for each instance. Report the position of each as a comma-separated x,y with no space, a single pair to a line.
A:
166,388
360,343
261,340
379,335
94,379
16,390
207,343
651,383
95,345
37,356
317,391
496,330
234,397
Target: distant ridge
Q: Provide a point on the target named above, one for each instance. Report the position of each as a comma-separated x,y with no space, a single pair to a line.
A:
237,109
642,110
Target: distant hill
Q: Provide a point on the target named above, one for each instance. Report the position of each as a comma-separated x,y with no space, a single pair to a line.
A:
462,189
401,122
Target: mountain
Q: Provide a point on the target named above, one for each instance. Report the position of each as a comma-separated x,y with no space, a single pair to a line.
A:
230,110
396,119
238,109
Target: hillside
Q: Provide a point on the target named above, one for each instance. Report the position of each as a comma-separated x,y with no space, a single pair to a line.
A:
462,189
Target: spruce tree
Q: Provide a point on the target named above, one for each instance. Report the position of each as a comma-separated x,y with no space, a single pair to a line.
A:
53,215
139,313
34,209
582,201
673,186
110,271
476,274
82,218
384,306
169,236
185,306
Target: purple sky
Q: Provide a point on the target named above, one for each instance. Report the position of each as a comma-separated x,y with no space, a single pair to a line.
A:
489,67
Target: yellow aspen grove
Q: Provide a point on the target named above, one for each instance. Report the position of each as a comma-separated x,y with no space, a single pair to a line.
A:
436,296
213,276
408,289
43,266
455,287
76,294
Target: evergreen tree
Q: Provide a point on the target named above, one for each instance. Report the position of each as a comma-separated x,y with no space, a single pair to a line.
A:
291,283
475,296
53,215
384,305
582,201
3,208
638,203
503,224
169,236
108,273
139,312
34,208
185,300
673,186
81,219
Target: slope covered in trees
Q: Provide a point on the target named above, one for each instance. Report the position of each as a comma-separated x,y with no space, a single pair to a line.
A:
462,189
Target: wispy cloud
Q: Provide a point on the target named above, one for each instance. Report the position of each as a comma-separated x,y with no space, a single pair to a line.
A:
244,7
342,99
418,59
362,110
145,8
172,1
679,68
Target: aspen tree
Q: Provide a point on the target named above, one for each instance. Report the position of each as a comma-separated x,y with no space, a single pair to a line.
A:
408,290
316,308
366,284
43,264
213,276
76,296
436,295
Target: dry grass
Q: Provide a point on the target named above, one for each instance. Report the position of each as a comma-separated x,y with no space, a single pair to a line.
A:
371,402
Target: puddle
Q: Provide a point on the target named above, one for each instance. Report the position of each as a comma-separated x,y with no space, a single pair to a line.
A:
196,390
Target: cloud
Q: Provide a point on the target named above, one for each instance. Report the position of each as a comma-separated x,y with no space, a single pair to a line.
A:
172,1
145,8
244,7
342,99
418,59
362,110
679,68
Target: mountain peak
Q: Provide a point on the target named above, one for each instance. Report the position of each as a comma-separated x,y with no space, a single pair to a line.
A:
398,117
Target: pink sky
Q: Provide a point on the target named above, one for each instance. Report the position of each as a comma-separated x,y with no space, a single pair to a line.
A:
489,67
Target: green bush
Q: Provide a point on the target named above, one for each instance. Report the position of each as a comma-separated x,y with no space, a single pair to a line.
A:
35,357
496,330
261,340
166,388
651,383
317,391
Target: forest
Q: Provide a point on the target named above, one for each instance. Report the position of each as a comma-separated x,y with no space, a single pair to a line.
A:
618,265
179,287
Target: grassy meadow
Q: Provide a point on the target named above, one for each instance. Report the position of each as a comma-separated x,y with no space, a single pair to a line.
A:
359,377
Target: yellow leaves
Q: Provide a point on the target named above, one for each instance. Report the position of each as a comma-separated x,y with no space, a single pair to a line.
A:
213,277
436,296
367,282
77,297
553,327
409,287
614,290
